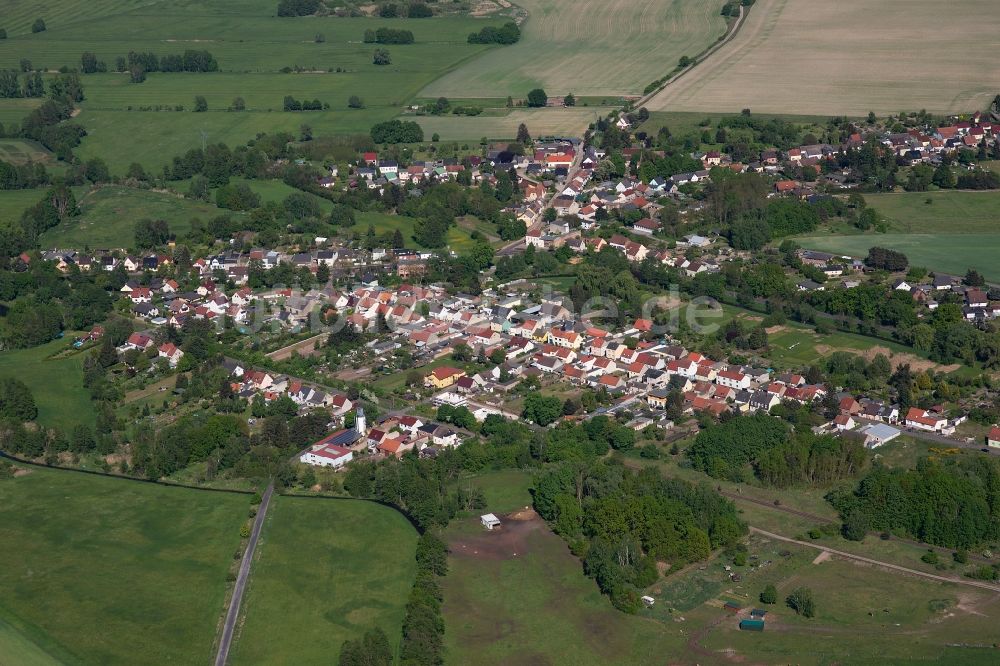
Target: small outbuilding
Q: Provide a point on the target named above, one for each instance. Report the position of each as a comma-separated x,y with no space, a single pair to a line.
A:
751,625
490,521
649,601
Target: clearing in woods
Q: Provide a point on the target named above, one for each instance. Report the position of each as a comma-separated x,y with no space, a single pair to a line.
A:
589,47
846,58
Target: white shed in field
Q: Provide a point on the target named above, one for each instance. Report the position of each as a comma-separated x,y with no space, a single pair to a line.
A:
490,521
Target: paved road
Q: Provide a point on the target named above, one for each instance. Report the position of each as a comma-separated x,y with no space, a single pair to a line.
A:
233,614
895,567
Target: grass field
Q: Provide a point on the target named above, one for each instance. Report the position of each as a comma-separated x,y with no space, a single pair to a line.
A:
55,381
949,253
22,151
15,202
108,571
252,46
954,232
844,58
109,216
535,606
540,122
327,571
589,48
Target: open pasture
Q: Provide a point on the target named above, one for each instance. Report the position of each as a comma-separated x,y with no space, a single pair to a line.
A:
846,58
55,376
22,151
946,252
109,216
326,572
110,571
252,47
540,122
589,48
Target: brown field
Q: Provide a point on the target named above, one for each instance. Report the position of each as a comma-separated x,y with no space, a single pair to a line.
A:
589,47
847,58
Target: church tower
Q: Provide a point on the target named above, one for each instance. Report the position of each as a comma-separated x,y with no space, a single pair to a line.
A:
360,422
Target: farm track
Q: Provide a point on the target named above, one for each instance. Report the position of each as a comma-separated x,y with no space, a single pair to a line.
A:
885,565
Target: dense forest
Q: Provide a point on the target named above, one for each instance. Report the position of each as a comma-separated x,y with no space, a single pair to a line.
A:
953,503
766,447
621,523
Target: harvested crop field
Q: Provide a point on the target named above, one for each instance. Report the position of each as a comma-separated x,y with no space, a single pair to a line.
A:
847,58
589,47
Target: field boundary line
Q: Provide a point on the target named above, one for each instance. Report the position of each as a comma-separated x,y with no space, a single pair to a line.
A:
233,613
885,565
700,58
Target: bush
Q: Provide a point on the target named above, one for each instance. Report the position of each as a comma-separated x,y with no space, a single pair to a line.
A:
38,26
397,131
418,10
381,57
508,34
769,595
355,102
537,98
801,601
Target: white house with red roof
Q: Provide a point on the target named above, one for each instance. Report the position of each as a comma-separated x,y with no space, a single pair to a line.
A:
921,419
171,352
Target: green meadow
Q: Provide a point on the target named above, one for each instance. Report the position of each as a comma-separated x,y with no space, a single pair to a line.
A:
252,47
109,214
111,571
54,373
326,572
949,231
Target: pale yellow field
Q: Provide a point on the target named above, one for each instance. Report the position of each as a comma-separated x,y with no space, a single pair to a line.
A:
589,47
849,57
540,122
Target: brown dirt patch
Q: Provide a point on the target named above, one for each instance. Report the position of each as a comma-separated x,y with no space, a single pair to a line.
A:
822,557
21,471
916,363
773,330
503,543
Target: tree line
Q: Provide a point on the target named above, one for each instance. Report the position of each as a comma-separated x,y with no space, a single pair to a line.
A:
946,502
388,36
762,445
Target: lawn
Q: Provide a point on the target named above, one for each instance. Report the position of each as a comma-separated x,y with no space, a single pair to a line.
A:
109,215
100,571
850,57
55,377
533,605
589,48
327,571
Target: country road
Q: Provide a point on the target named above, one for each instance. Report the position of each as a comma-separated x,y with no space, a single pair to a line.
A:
518,245
233,614
886,565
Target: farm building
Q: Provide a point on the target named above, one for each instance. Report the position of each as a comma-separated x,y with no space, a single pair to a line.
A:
490,521
878,434
751,625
